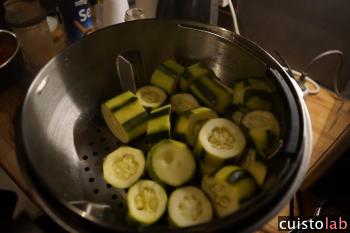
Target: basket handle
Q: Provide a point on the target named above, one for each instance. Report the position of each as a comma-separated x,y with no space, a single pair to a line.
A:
130,70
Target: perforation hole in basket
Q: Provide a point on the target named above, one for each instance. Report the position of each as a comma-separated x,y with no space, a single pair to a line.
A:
93,142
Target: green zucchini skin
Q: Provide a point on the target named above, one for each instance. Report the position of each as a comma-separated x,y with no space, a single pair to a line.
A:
258,100
191,73
190,122
253,94
240,179
158,127
212,93
125,116
256,165
167,75
265,134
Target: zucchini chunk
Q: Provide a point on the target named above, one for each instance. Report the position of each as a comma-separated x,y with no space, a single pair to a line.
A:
158,127
171,162
147,201
237,117
244,84
263,128
188,206
190,122
166,75
174,65
123,167
191,73
258,100
212,93
240,179
183,102
253,162
222,196
125,116
219,139
151,96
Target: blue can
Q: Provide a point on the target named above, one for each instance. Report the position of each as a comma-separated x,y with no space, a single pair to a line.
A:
77,18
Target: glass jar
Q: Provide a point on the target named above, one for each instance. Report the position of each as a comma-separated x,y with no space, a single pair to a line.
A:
134,14
28,21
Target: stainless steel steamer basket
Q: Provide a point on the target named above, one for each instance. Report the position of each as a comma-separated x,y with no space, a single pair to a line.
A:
62,138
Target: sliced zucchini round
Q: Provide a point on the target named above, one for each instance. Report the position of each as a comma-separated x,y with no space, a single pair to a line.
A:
123,167
219,139
191,73
222,196
190,122
171,162
263,128
240,179
147,202
125,116
183,102
255,165
166,76
158,127
151,96
212,93
188,206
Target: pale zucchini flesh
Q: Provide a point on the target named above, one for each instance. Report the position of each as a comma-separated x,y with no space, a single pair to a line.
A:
171,162
240,179
219,139
255,165
223,196
123,167
151,96
190,122
188,206
263,128
183,102
125,116
147,202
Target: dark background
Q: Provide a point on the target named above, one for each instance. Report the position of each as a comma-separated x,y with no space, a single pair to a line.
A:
299,30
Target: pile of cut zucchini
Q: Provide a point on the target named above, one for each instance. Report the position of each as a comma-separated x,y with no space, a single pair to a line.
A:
204,160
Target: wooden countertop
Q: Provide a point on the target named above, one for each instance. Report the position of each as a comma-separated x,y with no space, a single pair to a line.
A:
330,123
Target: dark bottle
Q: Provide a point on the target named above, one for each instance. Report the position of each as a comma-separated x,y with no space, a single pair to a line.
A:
77,18
2,16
